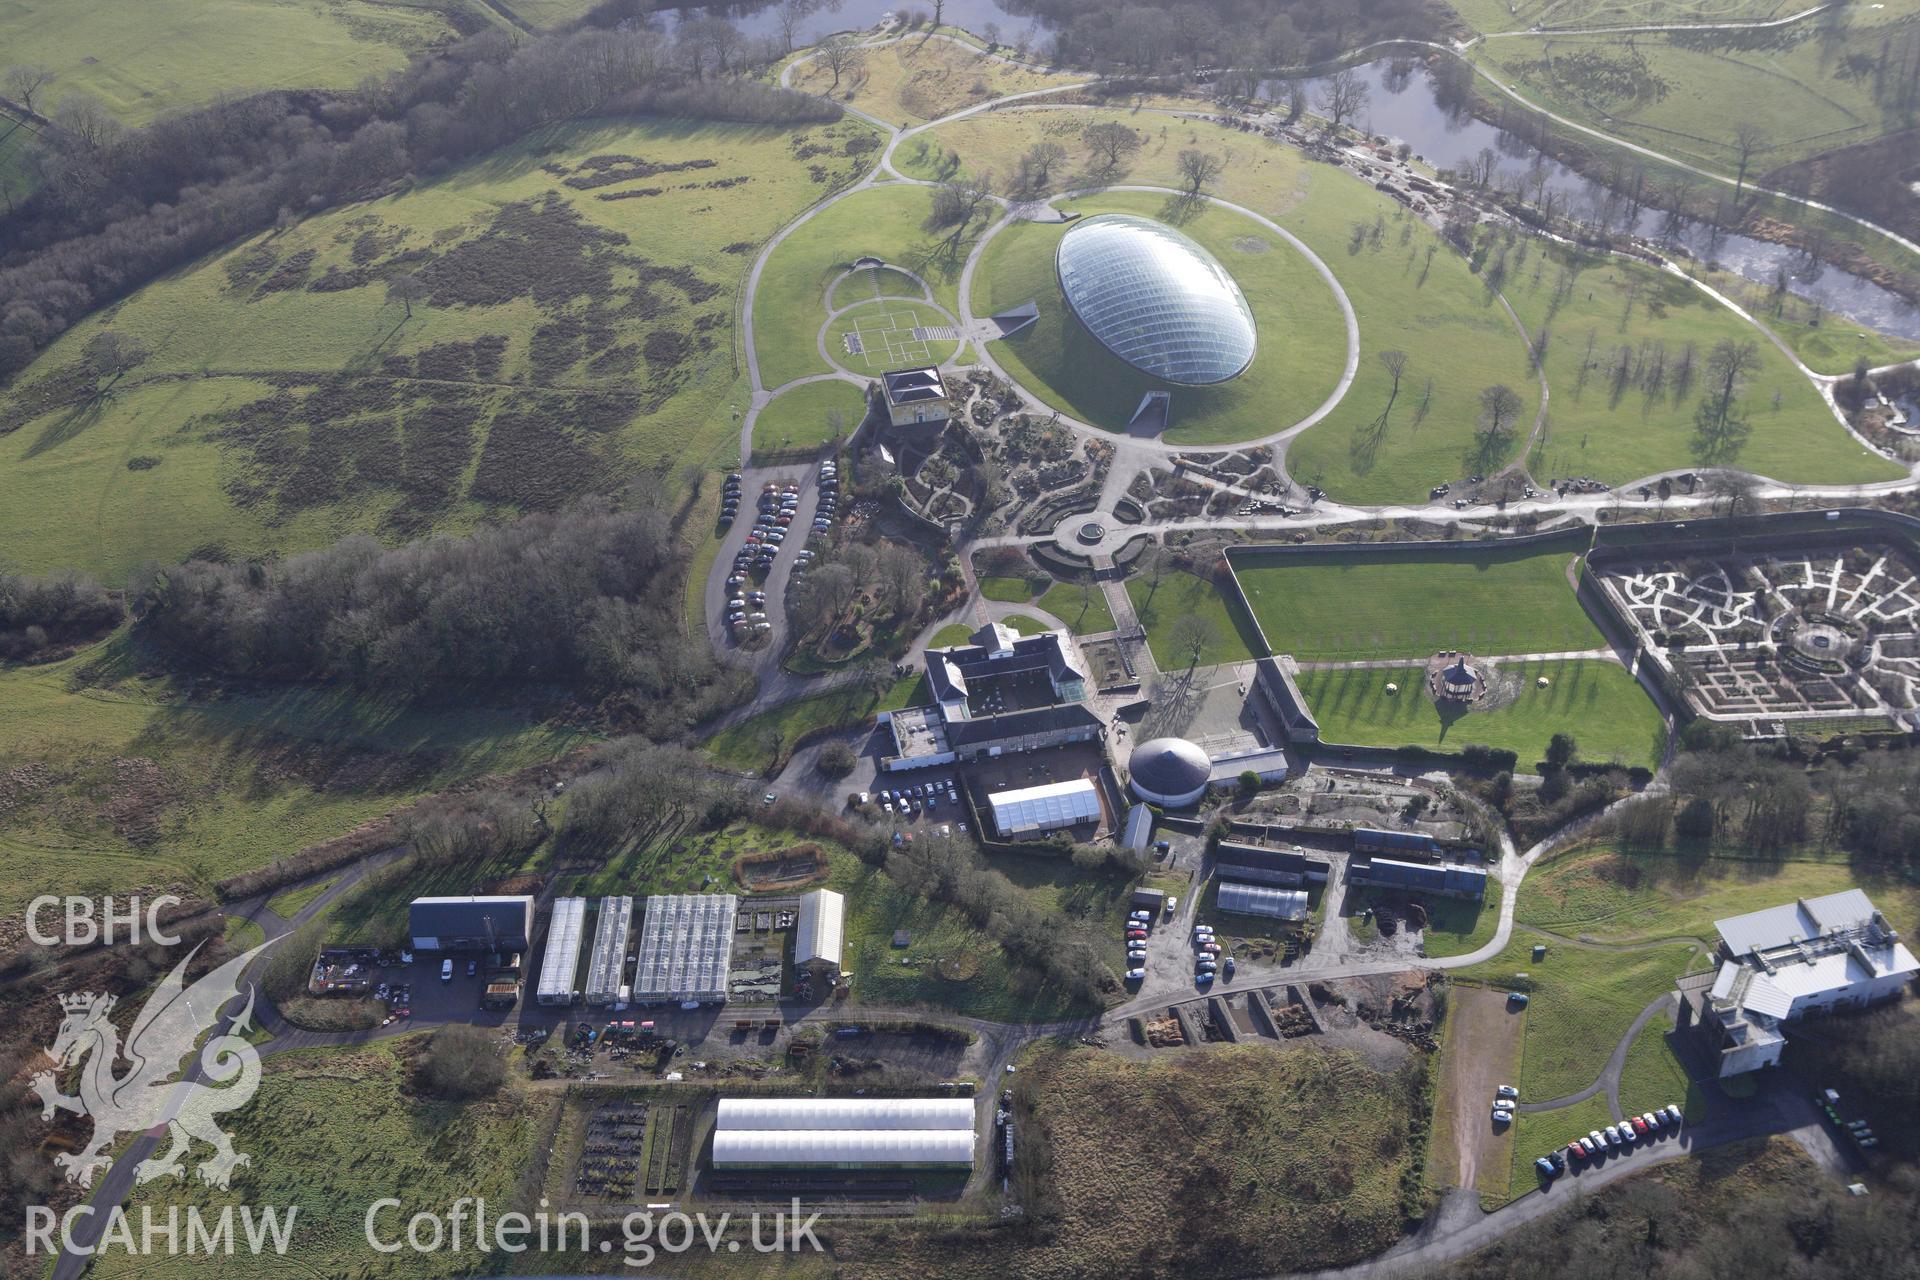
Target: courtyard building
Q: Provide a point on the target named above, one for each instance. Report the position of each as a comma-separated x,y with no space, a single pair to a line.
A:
1784,963
999,693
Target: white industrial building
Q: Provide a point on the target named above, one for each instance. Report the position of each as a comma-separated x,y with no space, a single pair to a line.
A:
1035,810
686,949
607,963
819,935
561,965
844,1133
1783,963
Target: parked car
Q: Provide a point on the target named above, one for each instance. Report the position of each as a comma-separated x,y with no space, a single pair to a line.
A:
1506,1091
1502,1117
446,971
1612,1136
1675,1113
1518,999
1547,1168
1597,1141
1141,934
1503,1104
473,967
1640,1127
1226,967
1136,975
1653,1120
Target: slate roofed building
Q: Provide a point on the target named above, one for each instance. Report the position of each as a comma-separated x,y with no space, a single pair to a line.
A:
916,396
470,923
1282,693
1257,864
1000,692
1783,963
1446,878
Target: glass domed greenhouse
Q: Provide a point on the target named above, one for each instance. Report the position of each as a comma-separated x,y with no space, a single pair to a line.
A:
1156,299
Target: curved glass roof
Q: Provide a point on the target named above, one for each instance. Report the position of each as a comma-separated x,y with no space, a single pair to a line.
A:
1156,299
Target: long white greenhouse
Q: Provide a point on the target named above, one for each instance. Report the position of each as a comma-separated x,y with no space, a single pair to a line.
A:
844,1133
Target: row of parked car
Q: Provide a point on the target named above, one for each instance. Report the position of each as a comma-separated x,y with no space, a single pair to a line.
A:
1139,929
1208,957
1615,1137
823,517
914,801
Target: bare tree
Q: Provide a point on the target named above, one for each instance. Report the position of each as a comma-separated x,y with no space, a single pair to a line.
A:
1111,143
955,206
1037,166
841,55
24,83
1719,428
1342,97
110,356
1198,169
84,121
1396,363
407,289
1748,139
1499,406
1192,636
790,16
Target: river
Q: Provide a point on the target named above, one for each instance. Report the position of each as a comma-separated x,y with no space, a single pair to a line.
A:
1403,105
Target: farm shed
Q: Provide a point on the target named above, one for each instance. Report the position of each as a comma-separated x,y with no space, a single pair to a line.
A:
470,924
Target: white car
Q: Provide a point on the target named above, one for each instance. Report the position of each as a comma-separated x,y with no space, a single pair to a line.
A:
1612,1136
1504,1104
1136,975
1506,1091
1674,1114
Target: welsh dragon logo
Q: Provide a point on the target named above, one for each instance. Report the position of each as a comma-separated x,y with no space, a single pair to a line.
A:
148,1095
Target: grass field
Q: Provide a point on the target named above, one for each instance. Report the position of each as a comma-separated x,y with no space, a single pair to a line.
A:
1488,602
1596,701
752,743
289,904
1081,605
1006,588
951,634
332,1132
790,305
567,340
802,417
912,80
1602,893
1825,342
1685,95
1611,323
145,57
889,333
1301,343
1582,1003
1410,292
550,13
1456,926
1160,608
1654,1076
132,784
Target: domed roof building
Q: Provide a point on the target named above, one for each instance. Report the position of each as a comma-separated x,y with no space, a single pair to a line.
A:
1156,299
1169,771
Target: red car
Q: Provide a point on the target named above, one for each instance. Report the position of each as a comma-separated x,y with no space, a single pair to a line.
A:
1640,1126
1575,1153
1136,933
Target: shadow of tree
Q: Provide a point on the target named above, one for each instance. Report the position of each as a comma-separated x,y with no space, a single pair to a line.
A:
68,425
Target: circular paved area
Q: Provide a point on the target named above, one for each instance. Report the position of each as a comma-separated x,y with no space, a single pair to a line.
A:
1092,533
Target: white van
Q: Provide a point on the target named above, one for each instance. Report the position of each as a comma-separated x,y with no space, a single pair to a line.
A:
446,971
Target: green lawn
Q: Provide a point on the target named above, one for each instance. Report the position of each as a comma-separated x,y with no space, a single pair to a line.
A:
333,1131
802,417
1609,895
1654,1076
1596,701
1006,589
951,634
144,786
790,305
1487,601
1685,96
1457,926
145,57
1232,636
1025,626
885,328
285,402
754,742
1081,605
1298,360
1409,290
1582,1002
1613,315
